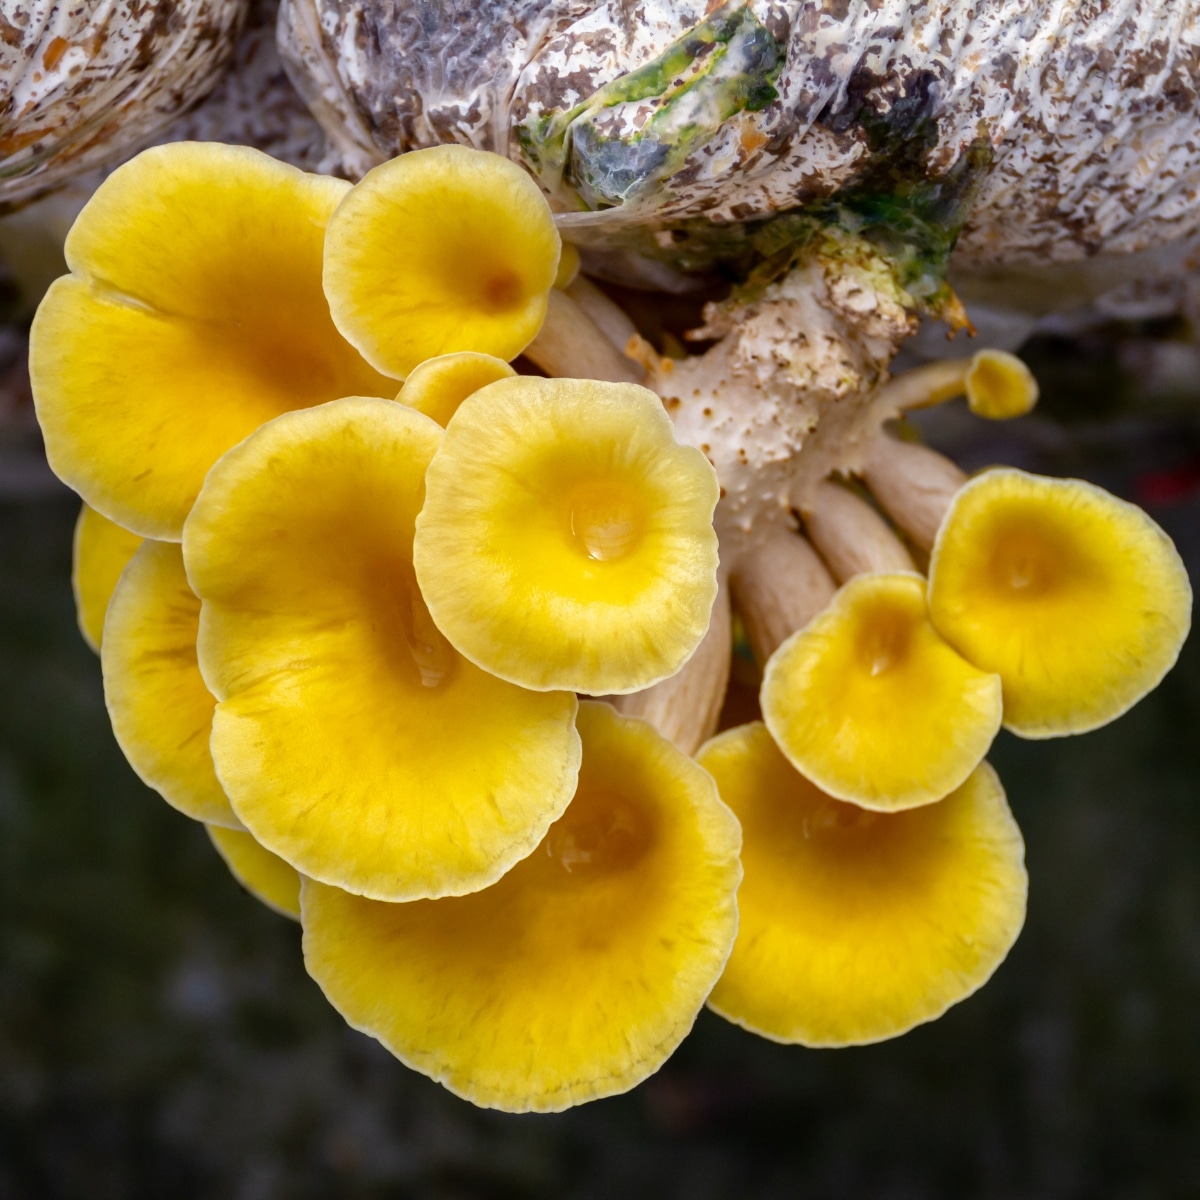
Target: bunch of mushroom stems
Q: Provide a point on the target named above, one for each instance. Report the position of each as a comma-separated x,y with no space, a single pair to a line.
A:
792,526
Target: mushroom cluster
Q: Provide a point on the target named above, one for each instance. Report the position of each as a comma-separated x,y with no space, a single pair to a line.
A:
350,639
883,870
350,571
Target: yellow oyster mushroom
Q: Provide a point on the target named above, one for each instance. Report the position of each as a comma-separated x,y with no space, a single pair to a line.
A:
585,531
99,553
854,925
999,386
193,313
439,385
350,737
161,711
1076,599
263,874
440,250
578,973
873,706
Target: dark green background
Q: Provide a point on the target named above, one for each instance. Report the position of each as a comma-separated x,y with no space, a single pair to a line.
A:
159,1037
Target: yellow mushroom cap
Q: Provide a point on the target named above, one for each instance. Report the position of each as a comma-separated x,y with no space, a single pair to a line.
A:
1077,600
873,706
100,552
1000,386
854,925
578,973
438,250
568,266
583,528
193,313
351,738
263,874
160,709
439,385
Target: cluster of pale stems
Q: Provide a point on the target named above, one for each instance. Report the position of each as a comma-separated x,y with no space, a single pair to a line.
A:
346,624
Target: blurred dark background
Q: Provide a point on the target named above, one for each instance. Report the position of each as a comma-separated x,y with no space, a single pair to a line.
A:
160,1038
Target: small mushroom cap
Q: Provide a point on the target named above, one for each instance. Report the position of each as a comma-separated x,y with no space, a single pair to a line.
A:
854,925
873,706
161,711
351,738
193,313
263,874
584,528
1000,386
439,250
1077,600
100,552
578,973
568,266
439,385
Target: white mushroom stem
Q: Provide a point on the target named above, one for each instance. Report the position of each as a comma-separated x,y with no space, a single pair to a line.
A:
922,387
851,536
913,483
611,318
571,345
685,708
778,587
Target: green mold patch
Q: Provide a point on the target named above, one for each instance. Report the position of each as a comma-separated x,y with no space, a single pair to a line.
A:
598,155
912,216
726,65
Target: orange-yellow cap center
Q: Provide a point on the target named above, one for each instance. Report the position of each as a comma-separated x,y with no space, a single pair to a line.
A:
606,520
405,632
838,825
1031,559
884,638
602,833
501,292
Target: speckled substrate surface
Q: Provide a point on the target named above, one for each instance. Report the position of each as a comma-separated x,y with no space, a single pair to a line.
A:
1071,124
82,81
